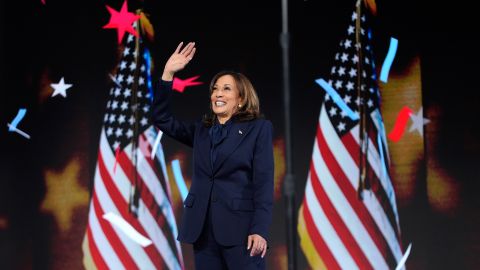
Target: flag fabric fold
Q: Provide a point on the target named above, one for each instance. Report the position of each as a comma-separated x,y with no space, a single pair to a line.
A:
137,190
348,218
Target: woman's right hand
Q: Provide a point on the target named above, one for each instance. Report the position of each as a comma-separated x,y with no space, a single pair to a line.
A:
178,60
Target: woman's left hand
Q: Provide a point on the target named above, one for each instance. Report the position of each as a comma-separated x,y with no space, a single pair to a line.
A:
257,244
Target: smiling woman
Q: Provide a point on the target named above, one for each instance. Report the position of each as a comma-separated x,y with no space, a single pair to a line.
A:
228,210
232,94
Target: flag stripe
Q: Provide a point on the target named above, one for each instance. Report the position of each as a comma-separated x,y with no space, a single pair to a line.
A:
338,223
321,247
96,256
121,205
380,196
100,240
375,163
343,157
151,191
149,172
341,188
106,201
345,210
306,242
327,231
146,220
162,205
144,150
112,236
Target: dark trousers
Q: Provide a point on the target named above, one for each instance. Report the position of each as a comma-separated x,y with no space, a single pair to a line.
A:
209,255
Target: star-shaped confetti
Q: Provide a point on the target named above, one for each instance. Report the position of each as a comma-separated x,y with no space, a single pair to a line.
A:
60,88
122,20
179,84
418,121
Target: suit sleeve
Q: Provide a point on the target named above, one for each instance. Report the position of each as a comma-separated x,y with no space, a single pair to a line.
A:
263,169
163,118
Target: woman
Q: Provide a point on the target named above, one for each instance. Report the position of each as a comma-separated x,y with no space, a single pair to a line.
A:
228,209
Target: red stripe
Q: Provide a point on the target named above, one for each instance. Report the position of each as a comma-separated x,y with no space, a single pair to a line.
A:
352,146
96,256
340,227
146,149
145,194
122,207
352,197
320,245
112,237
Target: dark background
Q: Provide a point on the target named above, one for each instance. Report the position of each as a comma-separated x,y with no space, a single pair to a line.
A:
39,44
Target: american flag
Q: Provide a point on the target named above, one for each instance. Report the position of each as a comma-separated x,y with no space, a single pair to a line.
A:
347,221
128,183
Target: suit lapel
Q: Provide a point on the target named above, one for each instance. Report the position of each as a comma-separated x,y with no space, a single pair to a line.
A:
235,136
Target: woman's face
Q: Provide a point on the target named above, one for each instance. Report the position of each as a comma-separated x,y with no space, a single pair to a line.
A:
225,98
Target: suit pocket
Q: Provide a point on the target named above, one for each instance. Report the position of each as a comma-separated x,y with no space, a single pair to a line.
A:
242,205
189,200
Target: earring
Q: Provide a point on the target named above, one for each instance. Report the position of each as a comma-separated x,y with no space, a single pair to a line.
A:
239,105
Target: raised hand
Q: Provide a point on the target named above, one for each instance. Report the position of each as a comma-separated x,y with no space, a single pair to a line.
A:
178,60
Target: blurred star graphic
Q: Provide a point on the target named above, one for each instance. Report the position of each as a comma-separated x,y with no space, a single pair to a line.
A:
122,20
60,88
418,121
64,194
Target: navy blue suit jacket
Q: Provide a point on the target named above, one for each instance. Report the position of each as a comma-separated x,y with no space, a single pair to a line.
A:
239,184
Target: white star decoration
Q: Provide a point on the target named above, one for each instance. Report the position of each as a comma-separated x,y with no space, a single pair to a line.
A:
60,88
418,121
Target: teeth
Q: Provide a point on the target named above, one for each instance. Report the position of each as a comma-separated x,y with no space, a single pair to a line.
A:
220,103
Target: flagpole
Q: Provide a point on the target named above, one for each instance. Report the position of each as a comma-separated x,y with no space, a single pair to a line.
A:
363,136
135,193
289,182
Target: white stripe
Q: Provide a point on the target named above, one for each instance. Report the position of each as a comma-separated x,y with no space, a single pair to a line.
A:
346,212
154,232
157,236
342,156
351,171
103,246
119,178
378,214
375,163
152,182
324,227
150,134
138,254
160,156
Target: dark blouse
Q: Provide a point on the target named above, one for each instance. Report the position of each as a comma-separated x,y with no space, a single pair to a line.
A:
218,132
